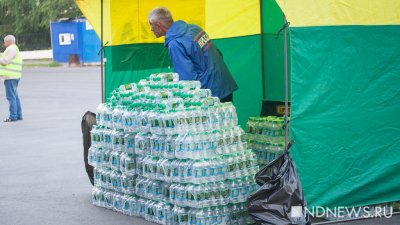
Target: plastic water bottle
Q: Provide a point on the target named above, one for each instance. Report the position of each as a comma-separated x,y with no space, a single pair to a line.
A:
141,206
127,184
115,160
161,146
165,168
169,219
108,199
107,115
142,143
116,117
233,191
169,151
174,170
200,217
117,202
118,140
130,164
129,141
100,114
139,187
116,181
179,147
126,207
107,133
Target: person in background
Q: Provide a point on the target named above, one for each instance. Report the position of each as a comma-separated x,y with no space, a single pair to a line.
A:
11,71
194,56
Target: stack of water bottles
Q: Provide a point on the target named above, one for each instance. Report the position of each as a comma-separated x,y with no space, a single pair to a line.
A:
166,150
266,136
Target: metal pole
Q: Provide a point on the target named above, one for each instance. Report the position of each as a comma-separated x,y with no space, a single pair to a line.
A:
262,53
286,82
102,54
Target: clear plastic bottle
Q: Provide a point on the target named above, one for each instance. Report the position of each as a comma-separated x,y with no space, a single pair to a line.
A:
107,115
107,133
115,160
108,200
169,151
165,190
166,170
118,140
181,195
169,219
139,187
142,143
100,114
175,170
225,215
134,211
157,190
130,164
224,193
201,217
116,181
117,202
92,156
129,141
141,205
139,165
197,172
161,146
233,191
116,116
199,196
173,193
209,214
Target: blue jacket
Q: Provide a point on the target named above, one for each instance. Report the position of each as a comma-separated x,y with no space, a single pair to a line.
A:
195,57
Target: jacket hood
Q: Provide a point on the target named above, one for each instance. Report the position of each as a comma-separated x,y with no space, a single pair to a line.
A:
177,29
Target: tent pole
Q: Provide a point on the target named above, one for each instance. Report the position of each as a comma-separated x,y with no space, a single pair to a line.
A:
286,82
262,53
102,54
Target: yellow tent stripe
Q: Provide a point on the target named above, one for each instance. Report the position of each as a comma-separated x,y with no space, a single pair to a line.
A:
92,11
130,23
125,22
232,18
340,12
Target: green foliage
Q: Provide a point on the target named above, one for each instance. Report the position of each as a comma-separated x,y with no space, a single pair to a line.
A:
34,16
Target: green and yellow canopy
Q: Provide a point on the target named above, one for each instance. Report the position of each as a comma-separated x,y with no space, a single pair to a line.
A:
345,78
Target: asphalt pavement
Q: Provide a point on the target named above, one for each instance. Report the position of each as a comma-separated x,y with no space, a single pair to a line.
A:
42,175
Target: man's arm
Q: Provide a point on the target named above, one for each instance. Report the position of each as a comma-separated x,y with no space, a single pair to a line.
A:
183,65
6,58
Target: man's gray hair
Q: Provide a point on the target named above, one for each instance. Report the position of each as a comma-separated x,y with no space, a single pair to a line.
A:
9,38
161,14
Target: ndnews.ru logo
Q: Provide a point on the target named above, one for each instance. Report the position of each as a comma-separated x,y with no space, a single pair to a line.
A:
343,212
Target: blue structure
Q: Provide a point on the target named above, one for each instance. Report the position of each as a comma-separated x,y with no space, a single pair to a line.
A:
74,37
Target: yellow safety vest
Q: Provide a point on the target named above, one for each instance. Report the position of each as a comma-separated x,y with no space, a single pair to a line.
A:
14,68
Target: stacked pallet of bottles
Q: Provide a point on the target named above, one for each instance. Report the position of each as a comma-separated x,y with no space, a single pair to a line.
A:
266,136
167,151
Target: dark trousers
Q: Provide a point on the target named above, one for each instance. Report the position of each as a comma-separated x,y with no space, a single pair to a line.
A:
228,98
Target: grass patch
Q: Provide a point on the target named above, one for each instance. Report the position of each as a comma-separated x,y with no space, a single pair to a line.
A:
54,64
47,64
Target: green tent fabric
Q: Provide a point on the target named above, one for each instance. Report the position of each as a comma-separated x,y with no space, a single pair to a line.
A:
345,104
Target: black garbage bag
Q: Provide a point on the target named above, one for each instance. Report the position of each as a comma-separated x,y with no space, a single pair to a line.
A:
88,120
280,199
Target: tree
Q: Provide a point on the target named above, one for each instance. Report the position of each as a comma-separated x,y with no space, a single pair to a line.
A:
33,16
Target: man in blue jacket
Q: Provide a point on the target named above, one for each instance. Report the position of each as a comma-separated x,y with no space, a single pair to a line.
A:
193,54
